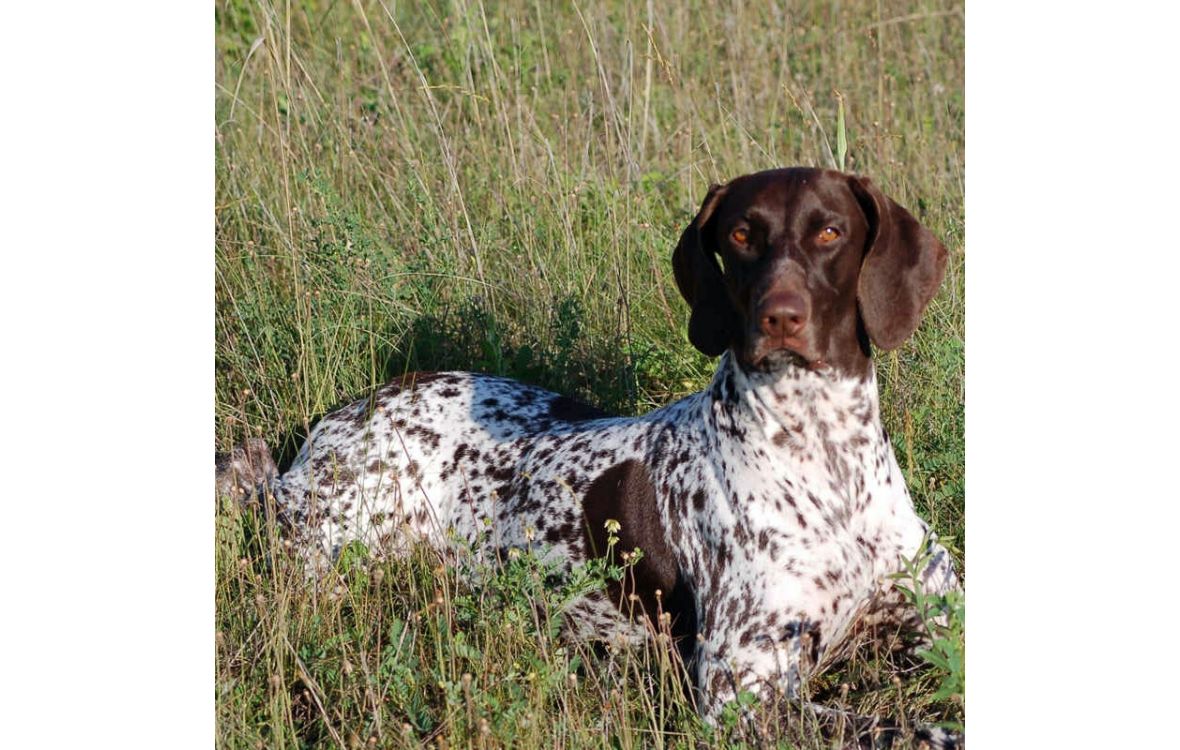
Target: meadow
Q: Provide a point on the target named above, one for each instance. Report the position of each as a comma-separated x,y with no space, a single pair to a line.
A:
498,187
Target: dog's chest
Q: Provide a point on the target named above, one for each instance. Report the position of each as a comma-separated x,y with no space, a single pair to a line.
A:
809,512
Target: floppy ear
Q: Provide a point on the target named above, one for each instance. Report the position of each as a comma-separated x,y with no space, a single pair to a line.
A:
714,322
902,268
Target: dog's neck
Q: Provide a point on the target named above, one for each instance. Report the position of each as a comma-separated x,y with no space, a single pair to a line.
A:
812,435
826,401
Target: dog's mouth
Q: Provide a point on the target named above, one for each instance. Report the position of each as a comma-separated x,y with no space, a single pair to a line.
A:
767,355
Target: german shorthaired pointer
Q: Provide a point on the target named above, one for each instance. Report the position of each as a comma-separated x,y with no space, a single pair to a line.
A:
770,508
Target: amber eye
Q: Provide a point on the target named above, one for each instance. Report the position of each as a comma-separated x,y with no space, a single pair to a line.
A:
828,234
740,236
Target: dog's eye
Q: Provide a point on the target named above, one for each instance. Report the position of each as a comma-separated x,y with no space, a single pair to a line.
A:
828,234
740,235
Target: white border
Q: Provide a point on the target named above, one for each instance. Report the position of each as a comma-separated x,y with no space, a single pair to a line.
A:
1071,414
107,309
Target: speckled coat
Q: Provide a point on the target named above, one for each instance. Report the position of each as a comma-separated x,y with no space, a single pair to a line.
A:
783,509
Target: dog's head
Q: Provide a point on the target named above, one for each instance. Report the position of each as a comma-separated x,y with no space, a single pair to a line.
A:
813,264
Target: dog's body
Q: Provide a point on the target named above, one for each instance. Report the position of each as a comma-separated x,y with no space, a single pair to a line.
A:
802,549
769,508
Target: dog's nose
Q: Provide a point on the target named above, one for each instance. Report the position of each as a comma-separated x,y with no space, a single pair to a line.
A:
783,314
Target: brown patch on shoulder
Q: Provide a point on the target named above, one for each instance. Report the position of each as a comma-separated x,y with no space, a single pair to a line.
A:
625,493
566,409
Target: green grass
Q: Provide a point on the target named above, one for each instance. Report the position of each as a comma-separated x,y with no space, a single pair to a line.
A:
498,187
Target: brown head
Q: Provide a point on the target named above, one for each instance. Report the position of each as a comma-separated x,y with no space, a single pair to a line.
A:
813,265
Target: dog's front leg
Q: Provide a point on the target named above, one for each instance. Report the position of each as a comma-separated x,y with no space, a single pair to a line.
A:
753,668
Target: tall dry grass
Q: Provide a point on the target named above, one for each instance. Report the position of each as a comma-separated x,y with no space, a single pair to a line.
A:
498,187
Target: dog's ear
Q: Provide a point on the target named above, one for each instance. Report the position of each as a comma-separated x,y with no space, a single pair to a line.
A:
713,323
902,268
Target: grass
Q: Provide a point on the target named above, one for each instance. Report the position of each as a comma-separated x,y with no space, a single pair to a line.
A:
498,187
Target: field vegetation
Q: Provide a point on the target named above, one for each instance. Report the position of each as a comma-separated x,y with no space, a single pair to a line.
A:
498,187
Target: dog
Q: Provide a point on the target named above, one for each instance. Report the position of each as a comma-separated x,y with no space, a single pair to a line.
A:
769,508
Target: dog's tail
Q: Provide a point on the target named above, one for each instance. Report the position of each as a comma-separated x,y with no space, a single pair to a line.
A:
246,472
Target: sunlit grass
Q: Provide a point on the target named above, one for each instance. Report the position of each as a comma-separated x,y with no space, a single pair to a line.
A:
499,188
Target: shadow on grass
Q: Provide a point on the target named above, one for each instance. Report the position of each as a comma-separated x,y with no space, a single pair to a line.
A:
470,337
